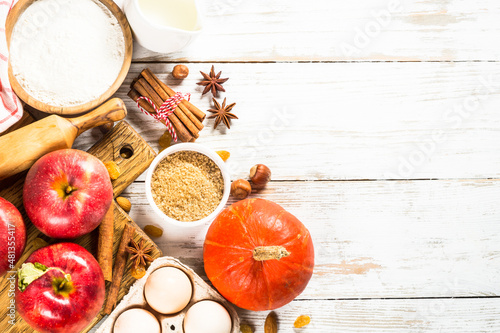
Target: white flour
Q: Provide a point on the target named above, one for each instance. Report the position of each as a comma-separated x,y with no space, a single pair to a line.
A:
66,52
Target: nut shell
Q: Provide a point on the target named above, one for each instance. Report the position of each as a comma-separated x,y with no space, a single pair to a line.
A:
180,71
260,175
240,189
124,203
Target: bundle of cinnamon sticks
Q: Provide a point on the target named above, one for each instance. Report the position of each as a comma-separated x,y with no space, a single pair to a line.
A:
187,119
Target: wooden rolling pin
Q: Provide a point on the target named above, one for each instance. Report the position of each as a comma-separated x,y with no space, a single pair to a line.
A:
21,148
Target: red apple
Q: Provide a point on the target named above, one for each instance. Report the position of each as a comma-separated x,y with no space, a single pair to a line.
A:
12,236
60,289
67,193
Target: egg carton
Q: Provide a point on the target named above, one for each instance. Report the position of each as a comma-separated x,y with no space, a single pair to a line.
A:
172,323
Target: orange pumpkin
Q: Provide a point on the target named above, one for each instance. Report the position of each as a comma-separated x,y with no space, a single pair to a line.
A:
257,255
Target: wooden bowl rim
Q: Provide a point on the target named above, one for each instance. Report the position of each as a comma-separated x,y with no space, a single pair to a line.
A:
12,18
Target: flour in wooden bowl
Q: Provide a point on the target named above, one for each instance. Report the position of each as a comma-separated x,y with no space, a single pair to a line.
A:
66,53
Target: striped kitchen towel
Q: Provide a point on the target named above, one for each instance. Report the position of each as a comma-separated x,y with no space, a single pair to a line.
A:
11,109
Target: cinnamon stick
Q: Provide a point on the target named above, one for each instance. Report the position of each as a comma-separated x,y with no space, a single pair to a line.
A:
197,112
145,89
166,93
154,83
105,244
134,95
120,263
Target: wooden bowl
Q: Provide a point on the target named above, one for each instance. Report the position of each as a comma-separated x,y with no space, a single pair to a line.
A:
12,18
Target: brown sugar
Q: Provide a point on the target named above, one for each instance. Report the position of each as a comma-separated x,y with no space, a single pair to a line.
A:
187,186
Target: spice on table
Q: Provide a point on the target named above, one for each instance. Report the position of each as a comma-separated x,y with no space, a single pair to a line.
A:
244,328
301,321
240,189
259,176
140,253
221,113
212,82
271,324
124,203
113,169
153,231
186,119
165,140
180,71
138,272
223,154
187,186
105,244
119,268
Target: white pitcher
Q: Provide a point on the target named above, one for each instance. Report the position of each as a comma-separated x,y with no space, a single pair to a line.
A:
164,25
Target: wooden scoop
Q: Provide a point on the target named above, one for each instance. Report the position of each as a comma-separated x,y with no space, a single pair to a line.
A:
21,148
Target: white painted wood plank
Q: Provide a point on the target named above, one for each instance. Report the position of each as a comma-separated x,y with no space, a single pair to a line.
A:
325,30
376,239
347,120
387,316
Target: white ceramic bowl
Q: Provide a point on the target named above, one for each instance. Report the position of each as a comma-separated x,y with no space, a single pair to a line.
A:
200,149
159,38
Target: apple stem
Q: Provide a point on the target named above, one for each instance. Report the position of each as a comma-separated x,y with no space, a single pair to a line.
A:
69,189
31,271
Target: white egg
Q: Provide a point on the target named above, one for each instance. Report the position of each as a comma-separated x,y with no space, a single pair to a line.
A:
207,317
168,290
136,320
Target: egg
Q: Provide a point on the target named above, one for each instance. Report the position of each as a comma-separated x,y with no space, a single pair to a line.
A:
168,290
136,320
207,317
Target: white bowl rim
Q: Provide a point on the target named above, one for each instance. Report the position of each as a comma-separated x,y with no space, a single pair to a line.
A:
189,146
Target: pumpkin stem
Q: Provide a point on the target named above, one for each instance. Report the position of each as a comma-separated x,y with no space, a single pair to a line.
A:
262,253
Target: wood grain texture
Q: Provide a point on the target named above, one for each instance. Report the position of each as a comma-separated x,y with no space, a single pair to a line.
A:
346,120
26,145
325,30
12,18
121,135
116,145
385,316
376,239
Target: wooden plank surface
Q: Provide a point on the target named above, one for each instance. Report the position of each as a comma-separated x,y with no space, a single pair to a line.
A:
377,239
347,120
340,99
387,316
325,30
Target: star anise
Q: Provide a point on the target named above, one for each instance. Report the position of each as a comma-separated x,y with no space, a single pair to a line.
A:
140,253
222,113
212,82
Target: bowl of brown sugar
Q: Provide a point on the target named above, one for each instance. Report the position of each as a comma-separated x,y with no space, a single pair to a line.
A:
187,185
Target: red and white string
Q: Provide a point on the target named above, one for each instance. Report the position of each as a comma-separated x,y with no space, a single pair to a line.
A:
165,110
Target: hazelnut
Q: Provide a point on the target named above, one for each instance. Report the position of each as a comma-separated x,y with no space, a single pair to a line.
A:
260,176
240,189
180,72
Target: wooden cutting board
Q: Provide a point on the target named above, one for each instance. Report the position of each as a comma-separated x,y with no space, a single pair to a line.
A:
133,155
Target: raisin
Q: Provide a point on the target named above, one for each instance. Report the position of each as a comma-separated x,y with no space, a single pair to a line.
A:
113,169
302,321
165,140
153,231
138,272
223,154
244,328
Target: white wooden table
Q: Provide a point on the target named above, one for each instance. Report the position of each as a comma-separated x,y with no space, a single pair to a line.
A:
380,121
